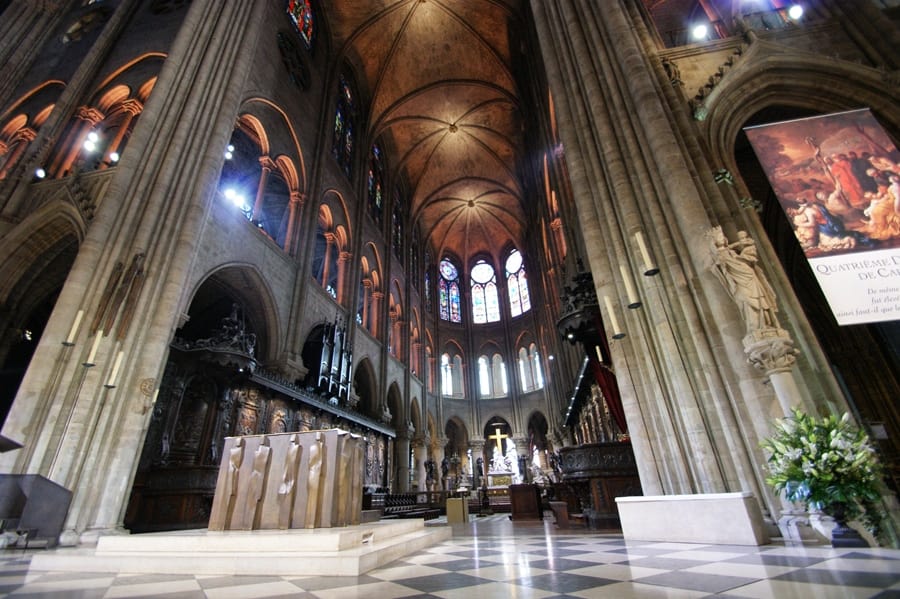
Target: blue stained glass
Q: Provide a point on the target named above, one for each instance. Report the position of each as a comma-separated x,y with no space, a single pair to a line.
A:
375,184
517,284
479,312
455,312
444,299
342,140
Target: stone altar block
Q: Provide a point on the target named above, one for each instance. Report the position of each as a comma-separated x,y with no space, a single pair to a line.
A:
716,518
311,479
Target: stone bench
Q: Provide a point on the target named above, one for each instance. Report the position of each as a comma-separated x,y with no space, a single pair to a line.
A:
715,518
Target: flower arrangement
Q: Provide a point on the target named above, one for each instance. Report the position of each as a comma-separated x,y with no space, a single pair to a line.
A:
828,465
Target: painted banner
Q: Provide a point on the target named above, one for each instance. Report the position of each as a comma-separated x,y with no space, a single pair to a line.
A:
837,178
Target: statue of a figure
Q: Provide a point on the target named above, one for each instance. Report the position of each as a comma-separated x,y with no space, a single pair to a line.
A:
736,266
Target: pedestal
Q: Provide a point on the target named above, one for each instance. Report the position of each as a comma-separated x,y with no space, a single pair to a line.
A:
525,502
457,510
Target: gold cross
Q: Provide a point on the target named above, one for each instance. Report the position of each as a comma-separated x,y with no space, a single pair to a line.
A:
499,437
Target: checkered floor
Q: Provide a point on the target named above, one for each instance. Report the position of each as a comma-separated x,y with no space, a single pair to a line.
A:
493,557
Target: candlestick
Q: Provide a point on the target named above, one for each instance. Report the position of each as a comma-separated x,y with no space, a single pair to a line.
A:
617,330
650,268
93,353
111,381
633,300
70,338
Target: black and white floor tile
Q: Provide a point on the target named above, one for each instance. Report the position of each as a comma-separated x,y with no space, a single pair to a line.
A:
493,557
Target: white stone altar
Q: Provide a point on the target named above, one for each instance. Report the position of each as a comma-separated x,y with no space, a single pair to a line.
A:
716,518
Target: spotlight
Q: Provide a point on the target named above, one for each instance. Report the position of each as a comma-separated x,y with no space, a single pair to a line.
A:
89,144
795,12
113,157
699,32
40,173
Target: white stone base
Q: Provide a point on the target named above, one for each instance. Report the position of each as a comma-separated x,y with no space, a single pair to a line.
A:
348,551
717,518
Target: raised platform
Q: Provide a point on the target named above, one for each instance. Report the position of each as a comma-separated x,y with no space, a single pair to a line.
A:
346,551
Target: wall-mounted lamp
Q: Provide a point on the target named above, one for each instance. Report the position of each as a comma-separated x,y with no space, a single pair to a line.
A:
650,267
111,381
633,300
613,319
70,338
93,353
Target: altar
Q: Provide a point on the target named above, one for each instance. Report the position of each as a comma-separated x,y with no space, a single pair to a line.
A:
499,480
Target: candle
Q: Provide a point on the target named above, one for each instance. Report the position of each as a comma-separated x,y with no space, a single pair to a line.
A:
93,352
633,301
649,266
613,321
111,381
599,354
70,339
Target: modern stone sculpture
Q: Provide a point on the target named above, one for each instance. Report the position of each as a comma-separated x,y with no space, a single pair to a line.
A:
311,479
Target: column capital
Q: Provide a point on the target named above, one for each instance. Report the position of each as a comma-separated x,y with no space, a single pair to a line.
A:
266,162
770,350
133,106
89,114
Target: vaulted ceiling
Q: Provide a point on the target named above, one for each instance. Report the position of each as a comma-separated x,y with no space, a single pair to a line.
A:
437,77
437,80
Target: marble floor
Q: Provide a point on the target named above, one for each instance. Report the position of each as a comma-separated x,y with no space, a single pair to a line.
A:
493,557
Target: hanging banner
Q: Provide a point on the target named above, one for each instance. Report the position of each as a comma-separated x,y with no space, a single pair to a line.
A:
838,180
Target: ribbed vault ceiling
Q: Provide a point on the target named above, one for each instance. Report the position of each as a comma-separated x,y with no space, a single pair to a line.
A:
437,79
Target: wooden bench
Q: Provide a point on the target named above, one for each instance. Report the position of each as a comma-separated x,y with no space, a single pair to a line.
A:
563,518
406,505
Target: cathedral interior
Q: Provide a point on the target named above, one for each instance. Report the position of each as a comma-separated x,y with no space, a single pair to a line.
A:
491,244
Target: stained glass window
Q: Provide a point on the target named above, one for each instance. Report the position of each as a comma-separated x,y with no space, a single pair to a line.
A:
375,181
414,262
301,14
397,225
344,116
485,303
429,304
448,289
517,284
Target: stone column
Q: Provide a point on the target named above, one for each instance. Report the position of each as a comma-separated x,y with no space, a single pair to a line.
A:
131,108
24,30
630,163
24,137
266,165
420,449
130,275
437,452
402,458
479,478
296,203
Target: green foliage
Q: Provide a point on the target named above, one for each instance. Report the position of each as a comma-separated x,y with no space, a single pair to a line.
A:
825,464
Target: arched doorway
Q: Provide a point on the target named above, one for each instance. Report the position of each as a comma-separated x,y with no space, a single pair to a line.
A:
205,395
459,457
28,302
